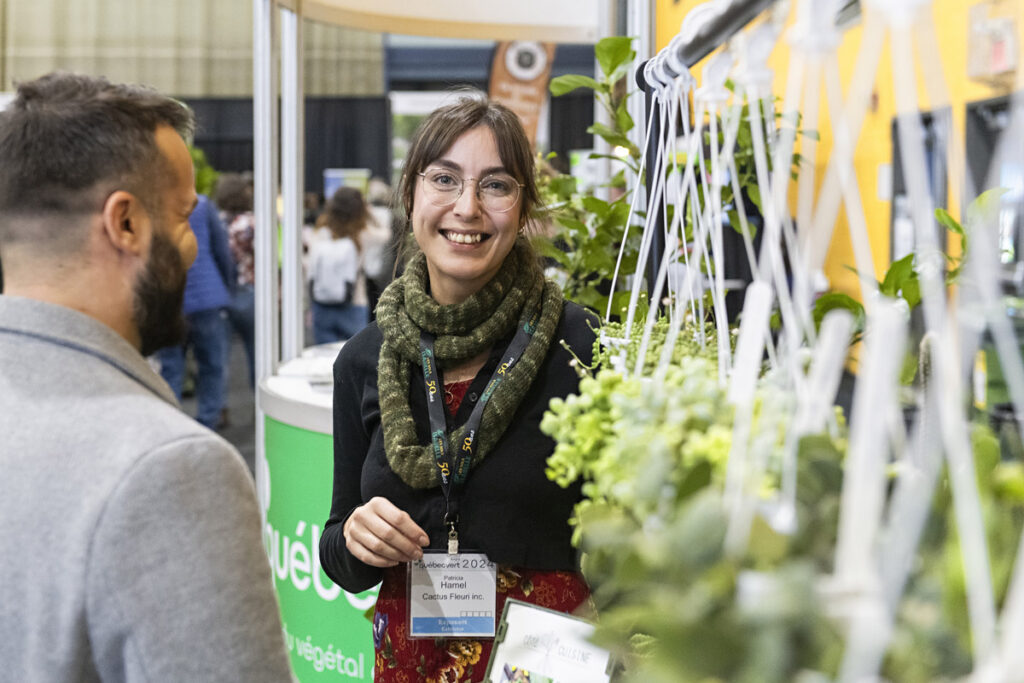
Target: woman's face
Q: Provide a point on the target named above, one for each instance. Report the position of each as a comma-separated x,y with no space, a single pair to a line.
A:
464,243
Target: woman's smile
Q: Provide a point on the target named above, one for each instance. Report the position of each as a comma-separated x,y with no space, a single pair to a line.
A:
463,237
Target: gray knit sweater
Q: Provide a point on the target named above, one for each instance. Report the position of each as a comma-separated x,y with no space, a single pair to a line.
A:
129,535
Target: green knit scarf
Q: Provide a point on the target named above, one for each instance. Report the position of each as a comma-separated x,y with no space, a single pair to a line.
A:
461,331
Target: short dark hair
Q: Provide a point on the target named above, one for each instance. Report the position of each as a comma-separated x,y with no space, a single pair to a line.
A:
68,140
444,125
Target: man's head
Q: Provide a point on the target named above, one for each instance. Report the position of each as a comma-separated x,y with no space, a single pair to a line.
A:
96,186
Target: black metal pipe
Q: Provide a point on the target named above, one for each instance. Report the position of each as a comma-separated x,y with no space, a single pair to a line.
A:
651,156
715,33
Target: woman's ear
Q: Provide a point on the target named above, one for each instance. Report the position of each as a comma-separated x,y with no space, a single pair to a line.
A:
126,223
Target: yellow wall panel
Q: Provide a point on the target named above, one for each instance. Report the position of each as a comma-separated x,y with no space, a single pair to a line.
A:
947,46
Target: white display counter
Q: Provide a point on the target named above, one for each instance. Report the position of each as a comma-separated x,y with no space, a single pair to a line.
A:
325,627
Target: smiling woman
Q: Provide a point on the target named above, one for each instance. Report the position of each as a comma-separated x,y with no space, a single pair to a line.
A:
472,316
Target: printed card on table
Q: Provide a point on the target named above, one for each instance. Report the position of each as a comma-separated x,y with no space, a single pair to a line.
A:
538,645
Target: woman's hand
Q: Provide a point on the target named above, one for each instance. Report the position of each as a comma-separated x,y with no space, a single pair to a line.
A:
381,535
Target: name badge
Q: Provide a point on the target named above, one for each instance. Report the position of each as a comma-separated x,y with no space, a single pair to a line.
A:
452,596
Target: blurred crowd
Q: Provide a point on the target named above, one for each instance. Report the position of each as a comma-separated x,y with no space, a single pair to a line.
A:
348,259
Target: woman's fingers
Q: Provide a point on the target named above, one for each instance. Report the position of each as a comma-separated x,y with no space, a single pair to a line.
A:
381,535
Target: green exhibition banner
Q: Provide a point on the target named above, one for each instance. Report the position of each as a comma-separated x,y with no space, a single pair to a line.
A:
327,632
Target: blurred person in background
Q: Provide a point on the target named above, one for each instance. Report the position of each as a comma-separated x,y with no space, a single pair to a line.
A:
207,298
234,196
337,281
130,548
378,247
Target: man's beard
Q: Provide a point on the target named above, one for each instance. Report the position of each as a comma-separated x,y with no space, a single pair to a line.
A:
159,294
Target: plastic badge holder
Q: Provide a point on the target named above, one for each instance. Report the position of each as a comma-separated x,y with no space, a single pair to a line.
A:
451,596
539,645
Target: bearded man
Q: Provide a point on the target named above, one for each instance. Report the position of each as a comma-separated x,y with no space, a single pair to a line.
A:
130,545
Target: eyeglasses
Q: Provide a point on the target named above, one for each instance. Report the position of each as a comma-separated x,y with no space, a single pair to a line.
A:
496,192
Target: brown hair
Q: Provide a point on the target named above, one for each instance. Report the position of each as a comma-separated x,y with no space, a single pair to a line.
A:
345,214
67,141
234,192
444,125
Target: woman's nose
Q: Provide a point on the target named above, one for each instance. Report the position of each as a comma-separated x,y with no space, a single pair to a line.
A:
468,204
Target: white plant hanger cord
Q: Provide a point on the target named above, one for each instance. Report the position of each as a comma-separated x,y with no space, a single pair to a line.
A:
947,386
857,569
981,307
710,97
654,193
675,87
840,186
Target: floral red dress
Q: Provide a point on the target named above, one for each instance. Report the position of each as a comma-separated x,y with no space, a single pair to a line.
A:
402,660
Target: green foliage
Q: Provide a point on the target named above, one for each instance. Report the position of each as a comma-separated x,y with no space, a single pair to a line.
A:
586,232
566,84
652,524
206,175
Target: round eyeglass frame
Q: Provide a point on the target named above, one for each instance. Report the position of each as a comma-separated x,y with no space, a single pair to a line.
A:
436,201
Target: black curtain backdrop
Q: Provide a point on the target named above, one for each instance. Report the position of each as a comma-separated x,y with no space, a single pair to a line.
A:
571,115
354,132
341,132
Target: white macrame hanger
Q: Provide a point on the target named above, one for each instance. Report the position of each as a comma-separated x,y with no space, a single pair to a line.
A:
654,198
840,184
856,568
770,259
712,95
678,86
948,386
632,207
982,269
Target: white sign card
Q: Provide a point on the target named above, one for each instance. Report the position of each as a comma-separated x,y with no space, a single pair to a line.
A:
538,645
452,596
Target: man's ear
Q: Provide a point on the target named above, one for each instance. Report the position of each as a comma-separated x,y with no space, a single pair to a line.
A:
126,223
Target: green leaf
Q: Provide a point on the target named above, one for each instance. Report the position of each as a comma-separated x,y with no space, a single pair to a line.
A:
611,136
985,445
766,545
897,274
596,206
734,219
547,249
573,224
984,205
833,300
812,134
947,221
620,303
623,121
911,290
1008,481
611,52
614,157
561,85
564,185
909,370
754,192
697,478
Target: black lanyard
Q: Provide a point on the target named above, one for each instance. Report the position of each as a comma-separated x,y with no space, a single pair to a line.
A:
454,467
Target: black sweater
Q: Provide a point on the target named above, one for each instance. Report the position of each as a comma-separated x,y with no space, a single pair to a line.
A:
509,509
